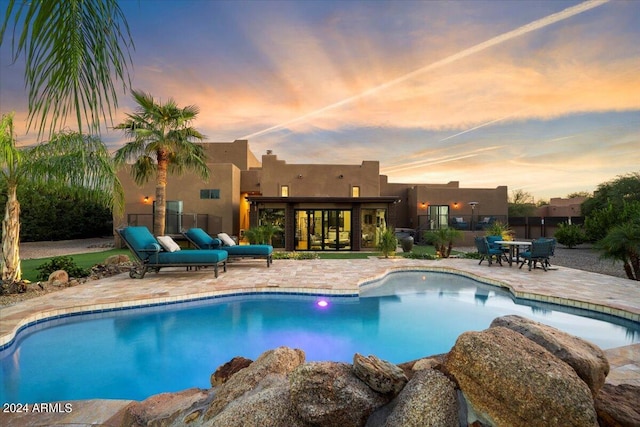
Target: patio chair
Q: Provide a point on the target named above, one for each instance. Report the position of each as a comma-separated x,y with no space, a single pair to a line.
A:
151,253
485,223
487,252
553,248
540,252
201,240
459,223
493,245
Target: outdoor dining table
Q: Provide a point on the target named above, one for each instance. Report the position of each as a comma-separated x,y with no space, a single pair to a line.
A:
514,248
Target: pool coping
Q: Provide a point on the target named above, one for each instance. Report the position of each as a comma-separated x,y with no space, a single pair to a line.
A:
34,316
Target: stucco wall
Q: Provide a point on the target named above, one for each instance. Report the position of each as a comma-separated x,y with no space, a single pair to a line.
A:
318,180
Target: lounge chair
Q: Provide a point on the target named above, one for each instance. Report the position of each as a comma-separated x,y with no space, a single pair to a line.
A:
487,252
540,251
151,254
201,240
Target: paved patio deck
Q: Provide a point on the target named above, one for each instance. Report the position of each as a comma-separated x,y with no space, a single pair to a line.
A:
560,285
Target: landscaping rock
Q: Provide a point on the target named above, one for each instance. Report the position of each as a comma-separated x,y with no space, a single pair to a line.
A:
58,278
280,361
266,407
117,259
162,409
429,399
329,394
224,372
426,363
618,406
509,380
380,375
588,360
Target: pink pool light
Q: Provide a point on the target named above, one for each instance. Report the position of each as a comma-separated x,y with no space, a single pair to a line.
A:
323,303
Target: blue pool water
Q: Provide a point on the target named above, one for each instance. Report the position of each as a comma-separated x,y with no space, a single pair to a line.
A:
133,354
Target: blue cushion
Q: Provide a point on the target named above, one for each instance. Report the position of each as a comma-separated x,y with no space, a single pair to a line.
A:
195,256
492,241
140,239
201,239
242,250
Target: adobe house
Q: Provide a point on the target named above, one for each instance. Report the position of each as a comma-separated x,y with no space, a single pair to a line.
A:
317,206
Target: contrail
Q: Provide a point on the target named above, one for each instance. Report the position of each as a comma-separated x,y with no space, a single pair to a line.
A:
535,25
483,125
445,159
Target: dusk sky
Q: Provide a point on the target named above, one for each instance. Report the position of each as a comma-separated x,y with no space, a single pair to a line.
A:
462,91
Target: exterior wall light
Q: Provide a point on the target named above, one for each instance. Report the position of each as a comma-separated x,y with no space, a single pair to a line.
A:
146,199
300,176
340,176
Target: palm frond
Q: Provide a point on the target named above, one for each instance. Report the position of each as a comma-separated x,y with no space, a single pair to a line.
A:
78,162
73,55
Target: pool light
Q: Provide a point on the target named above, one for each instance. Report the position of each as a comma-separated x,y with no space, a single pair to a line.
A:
322,303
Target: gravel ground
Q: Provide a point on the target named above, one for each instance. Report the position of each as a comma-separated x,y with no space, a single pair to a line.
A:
29,250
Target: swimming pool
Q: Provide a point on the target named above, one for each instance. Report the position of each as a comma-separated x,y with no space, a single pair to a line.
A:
133,354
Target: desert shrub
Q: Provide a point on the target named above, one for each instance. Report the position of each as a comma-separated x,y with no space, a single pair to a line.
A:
65,263
418,255
295,255
570,235
388,242
499,229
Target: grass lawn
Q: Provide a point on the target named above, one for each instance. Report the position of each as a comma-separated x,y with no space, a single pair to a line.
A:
87,260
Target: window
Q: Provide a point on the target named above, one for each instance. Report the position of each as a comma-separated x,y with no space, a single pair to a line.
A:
284,191
355,191
210,194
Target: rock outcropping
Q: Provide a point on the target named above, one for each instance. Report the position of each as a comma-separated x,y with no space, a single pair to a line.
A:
515,373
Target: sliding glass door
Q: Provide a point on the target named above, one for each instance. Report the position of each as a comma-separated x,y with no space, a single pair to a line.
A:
323,229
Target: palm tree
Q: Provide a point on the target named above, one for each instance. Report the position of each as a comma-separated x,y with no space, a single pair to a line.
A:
622,243
69,160
162,144
72,55
442,239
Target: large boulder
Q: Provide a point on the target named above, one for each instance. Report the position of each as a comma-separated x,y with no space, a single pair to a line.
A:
277,362
429,399
58,278
380,375
268,406
329,394
619,405
588,360
509,380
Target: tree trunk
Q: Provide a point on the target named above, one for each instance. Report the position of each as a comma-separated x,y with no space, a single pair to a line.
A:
10,255
161,191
